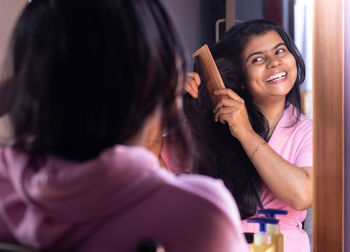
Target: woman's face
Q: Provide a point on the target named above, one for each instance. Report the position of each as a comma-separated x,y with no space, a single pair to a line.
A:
270,69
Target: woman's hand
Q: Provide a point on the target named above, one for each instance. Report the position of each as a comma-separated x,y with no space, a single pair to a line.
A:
231,110
192,83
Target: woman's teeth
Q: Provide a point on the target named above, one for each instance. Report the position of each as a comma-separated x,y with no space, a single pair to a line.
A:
276,76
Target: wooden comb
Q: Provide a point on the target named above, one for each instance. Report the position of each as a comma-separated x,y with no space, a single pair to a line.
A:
210,72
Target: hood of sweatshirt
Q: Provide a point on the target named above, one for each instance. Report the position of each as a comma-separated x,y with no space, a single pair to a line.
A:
63,191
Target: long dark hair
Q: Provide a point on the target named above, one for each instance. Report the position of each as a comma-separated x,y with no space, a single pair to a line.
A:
86,74
218,153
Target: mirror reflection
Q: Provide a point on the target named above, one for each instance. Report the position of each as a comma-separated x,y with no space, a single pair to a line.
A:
205,25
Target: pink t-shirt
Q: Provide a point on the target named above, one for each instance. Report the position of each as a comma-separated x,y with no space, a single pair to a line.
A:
111,203
294,144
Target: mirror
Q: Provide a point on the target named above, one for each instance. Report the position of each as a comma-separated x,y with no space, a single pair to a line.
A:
324,101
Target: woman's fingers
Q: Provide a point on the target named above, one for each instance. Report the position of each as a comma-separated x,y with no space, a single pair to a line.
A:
191,84
195,77
225,102
221,112
189,89
229,93
224,118
231,111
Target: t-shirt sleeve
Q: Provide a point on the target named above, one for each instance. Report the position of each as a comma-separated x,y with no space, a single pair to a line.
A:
304,155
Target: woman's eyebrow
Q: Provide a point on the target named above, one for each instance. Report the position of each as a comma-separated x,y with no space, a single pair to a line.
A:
262,52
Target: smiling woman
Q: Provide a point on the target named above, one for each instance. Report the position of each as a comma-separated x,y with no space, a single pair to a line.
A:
257,139
270,69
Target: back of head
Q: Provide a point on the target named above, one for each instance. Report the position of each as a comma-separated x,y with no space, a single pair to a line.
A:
87,73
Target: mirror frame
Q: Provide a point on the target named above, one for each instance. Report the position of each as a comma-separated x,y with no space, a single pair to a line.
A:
328,123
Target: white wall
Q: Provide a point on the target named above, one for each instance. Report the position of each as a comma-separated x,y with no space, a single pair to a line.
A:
9,11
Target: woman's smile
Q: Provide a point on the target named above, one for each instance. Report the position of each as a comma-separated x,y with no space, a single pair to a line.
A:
275,78
270,69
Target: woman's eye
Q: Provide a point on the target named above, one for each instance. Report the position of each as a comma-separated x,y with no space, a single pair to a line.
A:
257,59
279,51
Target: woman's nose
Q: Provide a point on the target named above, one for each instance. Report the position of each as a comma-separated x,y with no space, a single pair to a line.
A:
273,61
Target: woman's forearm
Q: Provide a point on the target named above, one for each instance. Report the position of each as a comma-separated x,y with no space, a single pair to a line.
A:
289,183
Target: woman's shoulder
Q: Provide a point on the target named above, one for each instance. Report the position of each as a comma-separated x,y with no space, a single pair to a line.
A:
140,164
292,130
193,201
295,118
208,204
305,124
205,191
206,187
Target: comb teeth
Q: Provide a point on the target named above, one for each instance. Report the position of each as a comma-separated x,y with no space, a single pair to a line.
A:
210,72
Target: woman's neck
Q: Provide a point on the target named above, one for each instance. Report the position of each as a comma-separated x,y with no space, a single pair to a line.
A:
272,113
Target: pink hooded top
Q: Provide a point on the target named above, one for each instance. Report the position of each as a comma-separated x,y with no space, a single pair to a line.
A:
294,144
113,202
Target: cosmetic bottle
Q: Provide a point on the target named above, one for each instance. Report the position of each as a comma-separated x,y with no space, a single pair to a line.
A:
262,239
274,229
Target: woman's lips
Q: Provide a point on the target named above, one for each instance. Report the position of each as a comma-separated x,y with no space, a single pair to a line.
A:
276,78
